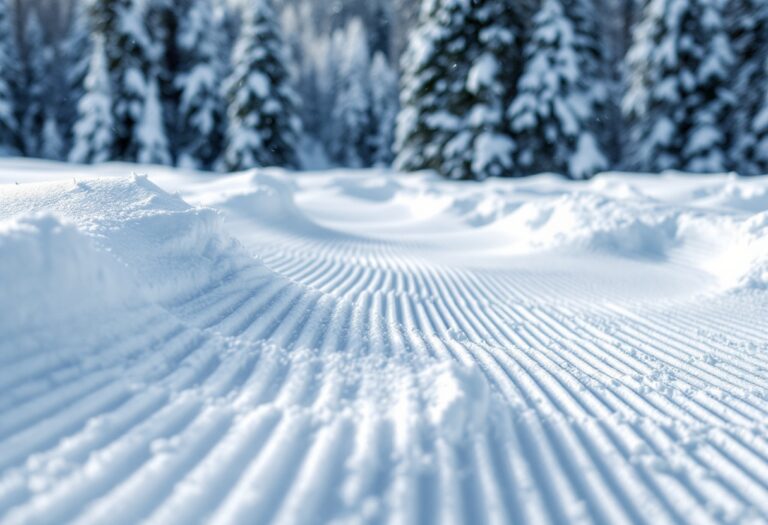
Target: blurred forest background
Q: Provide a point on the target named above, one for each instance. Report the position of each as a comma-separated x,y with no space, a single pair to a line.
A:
469,88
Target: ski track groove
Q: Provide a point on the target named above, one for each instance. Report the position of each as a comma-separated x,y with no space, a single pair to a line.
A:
639,413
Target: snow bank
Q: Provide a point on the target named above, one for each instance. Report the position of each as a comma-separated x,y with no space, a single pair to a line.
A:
586,221
735,194
742,261
713,229
268,200
754,243
370,189
411,199
164,248
262,197
50,270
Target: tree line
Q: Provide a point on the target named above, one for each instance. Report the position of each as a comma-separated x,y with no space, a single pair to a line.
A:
479,88
494,88
194,83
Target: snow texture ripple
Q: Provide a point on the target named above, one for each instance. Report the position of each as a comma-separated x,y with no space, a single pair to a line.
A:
373,348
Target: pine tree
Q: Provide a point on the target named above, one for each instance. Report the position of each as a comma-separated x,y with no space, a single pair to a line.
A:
94,136
748,121
406,14
679,98
52,143
560,94
384,105
8,61
352,118
150,132
755,134
328,49
263,123
460,73
615,19
161,18
75,56
201,111
36,92
130,58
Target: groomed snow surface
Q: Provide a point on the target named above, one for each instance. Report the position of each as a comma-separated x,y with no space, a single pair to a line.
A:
365,347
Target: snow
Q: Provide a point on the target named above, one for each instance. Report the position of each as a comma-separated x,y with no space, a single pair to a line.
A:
53,262
490,148
166,245
586,156
483,73
364,346
150,137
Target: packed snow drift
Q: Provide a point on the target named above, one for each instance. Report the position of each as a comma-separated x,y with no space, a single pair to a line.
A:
367,347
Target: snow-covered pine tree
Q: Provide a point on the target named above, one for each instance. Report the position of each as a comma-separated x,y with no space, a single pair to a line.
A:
161,18
561,93
459,76
615,19
352,119
307,50
263,124
130,56
52,143
8,72
229,18
755,132
36,91
405,18
150,131
327,50
384,105
94,134
679,96
748,22
75,53
201,111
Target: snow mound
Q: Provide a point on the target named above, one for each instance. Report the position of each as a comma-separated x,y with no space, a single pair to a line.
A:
409,199
49,270
265,199
167,248
594,222
737,194
269,201
743,263
481,210
370,189
619,189
755,242
457,400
